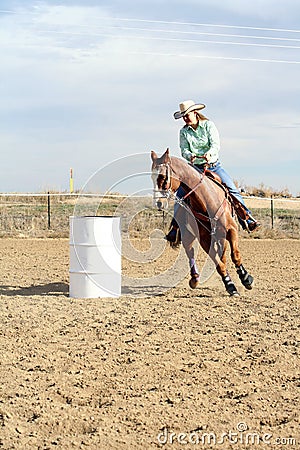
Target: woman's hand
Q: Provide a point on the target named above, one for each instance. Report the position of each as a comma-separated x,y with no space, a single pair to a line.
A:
193,157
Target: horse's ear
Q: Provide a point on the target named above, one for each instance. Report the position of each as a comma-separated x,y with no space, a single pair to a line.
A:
153,155
166,156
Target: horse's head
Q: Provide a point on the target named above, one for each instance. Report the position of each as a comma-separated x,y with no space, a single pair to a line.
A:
163,179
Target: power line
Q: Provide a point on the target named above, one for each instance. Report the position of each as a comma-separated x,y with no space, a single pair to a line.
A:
184,55
183,32
203,33
202,41
167,22
204,24
157,38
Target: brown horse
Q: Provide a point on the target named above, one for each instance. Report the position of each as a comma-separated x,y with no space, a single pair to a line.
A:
205,215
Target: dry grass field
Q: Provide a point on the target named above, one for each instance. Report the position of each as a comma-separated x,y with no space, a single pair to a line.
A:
182,369
32,216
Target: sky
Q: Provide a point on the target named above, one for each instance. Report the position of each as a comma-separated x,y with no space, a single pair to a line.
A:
89,84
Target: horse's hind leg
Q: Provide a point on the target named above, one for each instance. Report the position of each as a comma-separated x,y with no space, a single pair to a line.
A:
228,283
245,277
218,256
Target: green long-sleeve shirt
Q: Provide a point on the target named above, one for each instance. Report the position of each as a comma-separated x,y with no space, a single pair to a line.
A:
202,141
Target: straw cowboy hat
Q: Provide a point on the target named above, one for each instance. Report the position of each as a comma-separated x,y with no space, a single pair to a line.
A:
186,107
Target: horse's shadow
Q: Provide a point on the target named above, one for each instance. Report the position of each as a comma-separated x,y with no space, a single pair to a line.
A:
143,291
52,289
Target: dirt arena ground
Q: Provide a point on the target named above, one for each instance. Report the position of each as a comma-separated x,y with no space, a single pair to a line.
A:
183,369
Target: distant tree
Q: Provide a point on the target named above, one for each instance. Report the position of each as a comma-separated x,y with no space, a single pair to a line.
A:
265,191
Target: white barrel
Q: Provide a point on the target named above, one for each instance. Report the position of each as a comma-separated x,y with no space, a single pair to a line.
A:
95,256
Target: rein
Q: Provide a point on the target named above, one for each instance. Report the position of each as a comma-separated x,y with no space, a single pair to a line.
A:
197,185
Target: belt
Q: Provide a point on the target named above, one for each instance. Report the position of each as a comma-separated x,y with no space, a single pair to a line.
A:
206,165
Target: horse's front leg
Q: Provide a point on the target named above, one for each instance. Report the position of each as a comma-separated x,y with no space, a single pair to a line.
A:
188,244
190,237
194,280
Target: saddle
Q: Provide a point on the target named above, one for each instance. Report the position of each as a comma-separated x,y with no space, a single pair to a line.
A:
213,176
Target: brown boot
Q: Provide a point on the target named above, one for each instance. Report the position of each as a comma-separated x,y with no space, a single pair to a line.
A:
253,225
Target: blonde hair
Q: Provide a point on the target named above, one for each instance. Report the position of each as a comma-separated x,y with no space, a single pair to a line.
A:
201,116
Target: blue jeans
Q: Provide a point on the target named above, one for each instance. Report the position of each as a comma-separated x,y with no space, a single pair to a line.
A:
225,178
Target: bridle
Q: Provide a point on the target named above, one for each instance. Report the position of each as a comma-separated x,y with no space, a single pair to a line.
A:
166,185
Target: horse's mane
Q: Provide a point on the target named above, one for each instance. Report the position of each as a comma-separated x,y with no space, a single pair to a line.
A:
183,163
212,182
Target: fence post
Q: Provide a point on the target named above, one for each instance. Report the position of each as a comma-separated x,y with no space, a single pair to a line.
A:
272,212
49,211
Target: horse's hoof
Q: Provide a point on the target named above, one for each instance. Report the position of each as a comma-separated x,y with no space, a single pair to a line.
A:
193,283
232,291
230,287
245,277
234,294
249,283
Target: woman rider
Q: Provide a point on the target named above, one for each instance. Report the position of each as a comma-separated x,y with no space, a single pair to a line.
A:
200,145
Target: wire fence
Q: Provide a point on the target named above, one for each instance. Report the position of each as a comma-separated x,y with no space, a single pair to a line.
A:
47,215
